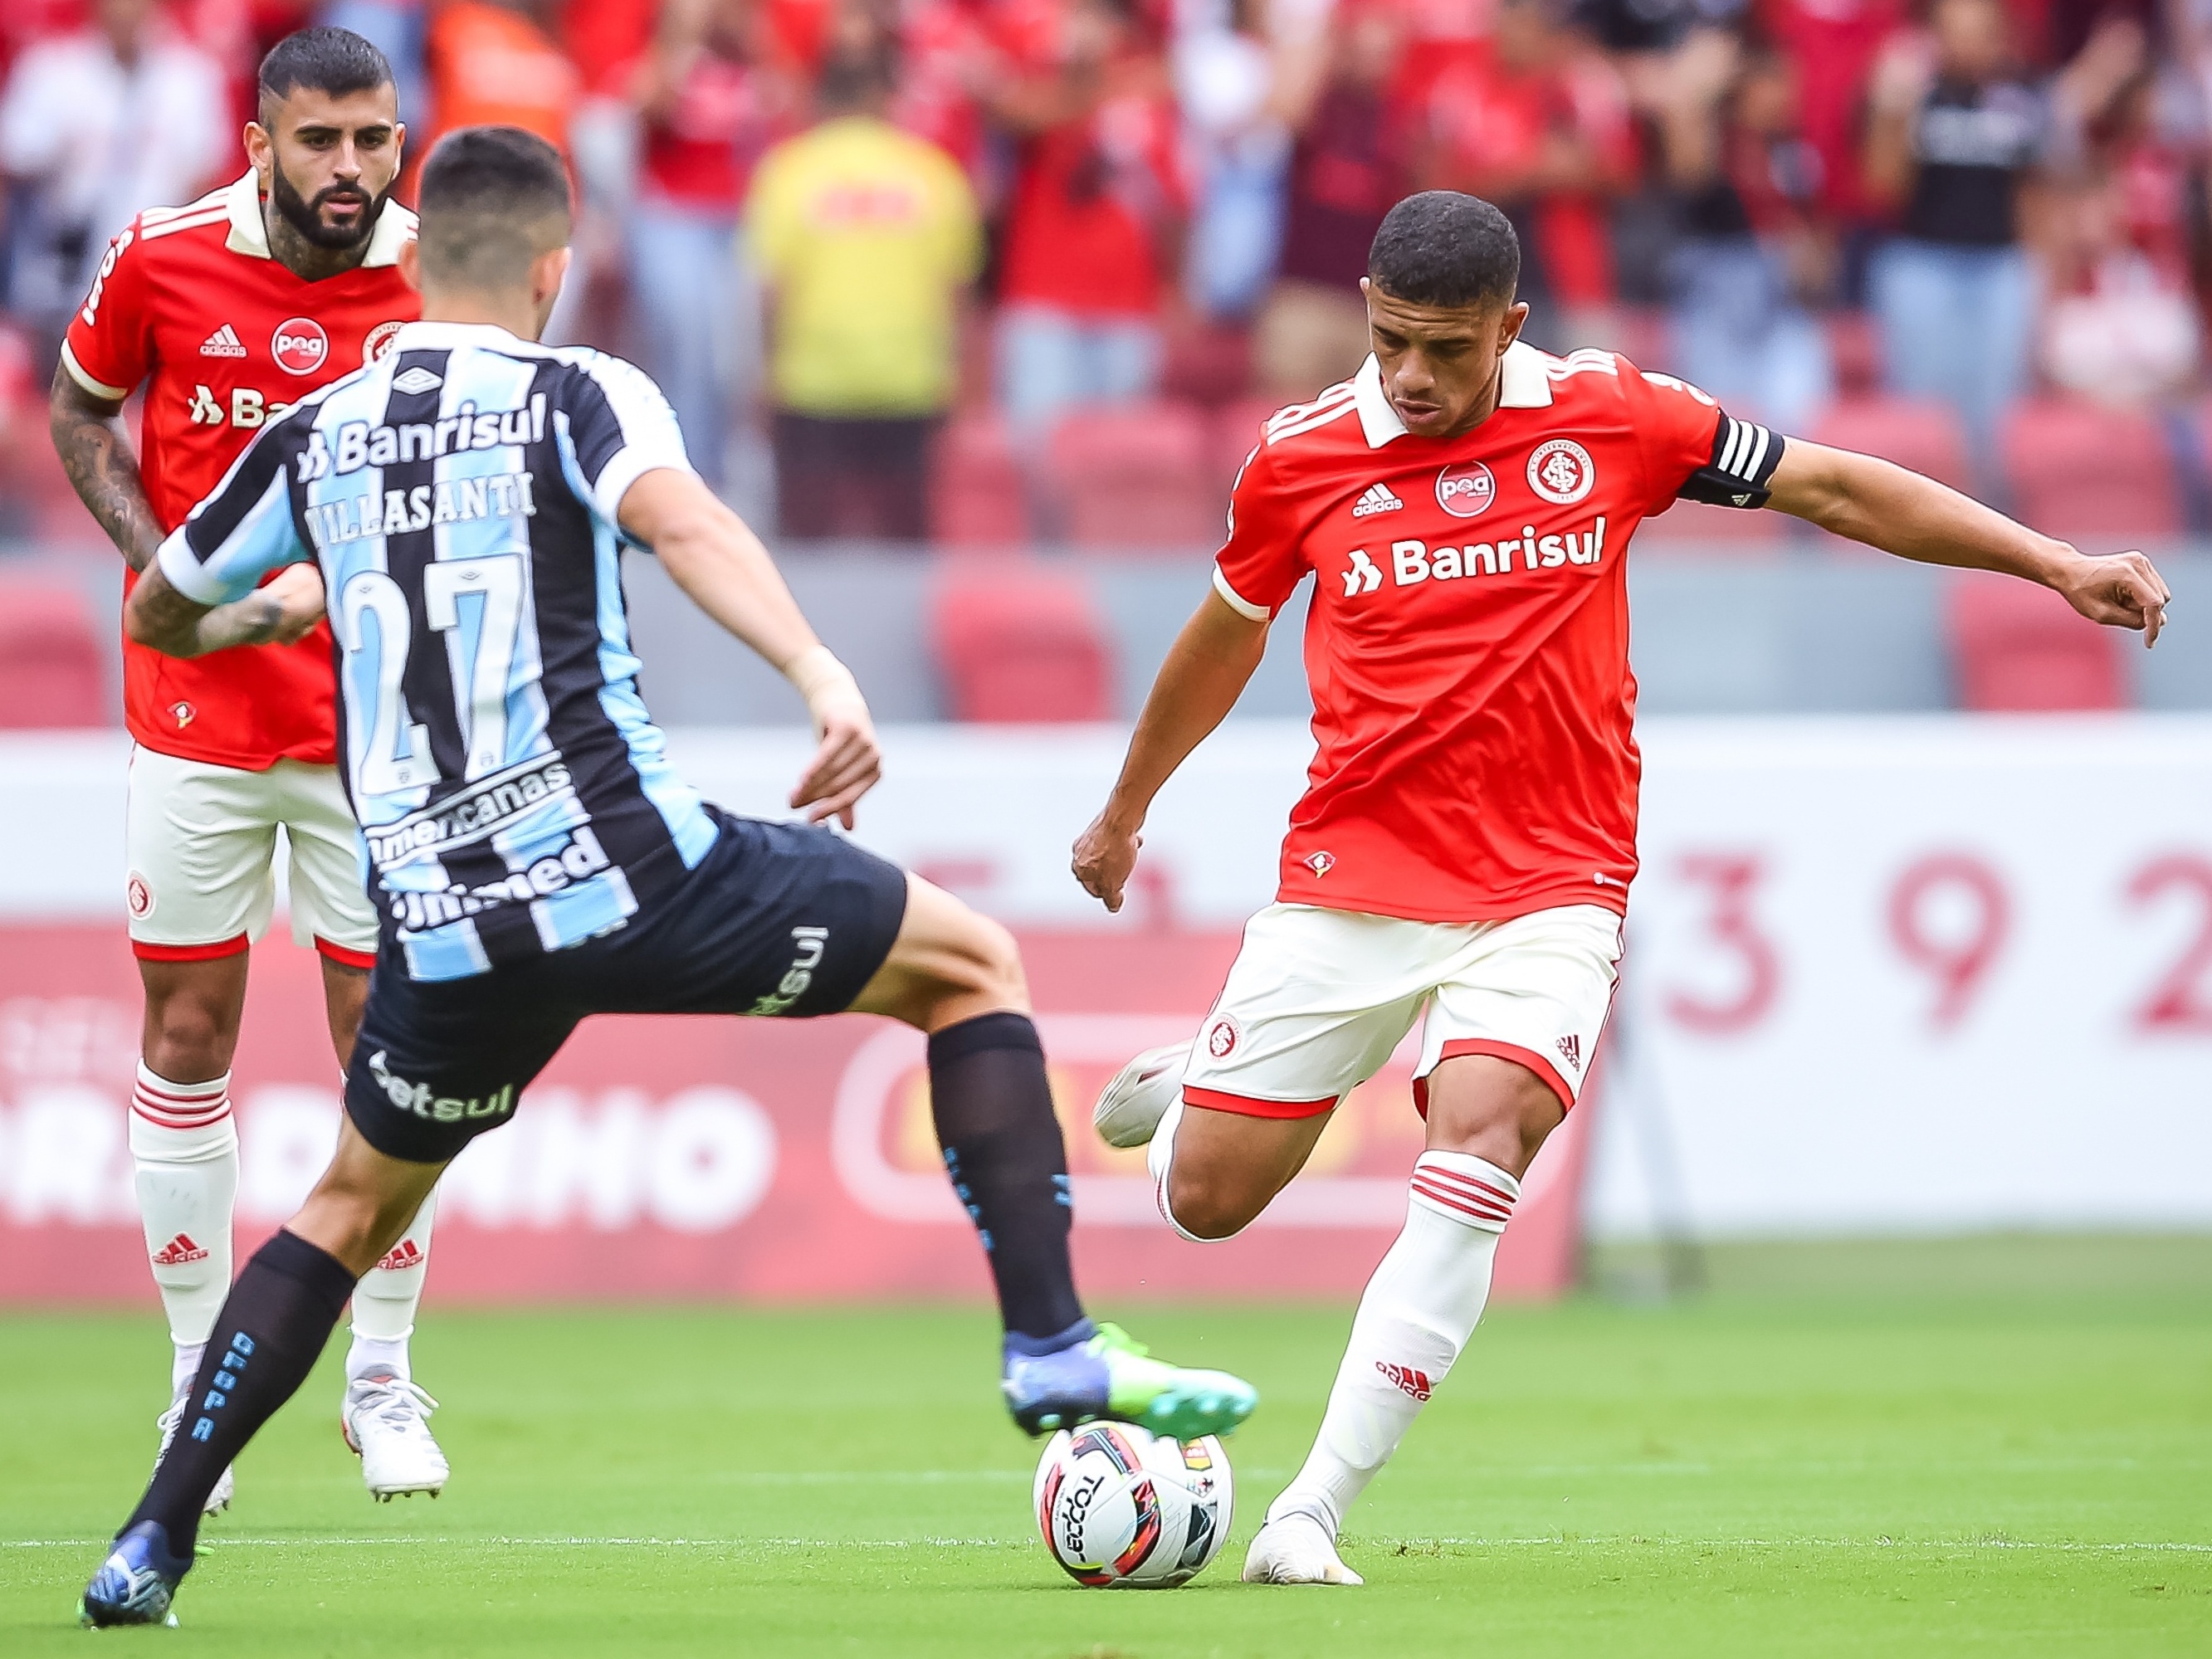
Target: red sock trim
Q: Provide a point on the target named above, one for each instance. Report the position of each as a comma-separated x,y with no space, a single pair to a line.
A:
1215,1100
1524,1057
229,947
363,960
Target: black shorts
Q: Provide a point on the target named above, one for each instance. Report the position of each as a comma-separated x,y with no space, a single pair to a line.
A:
778,918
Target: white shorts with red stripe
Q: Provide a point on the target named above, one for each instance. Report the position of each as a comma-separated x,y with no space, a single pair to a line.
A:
1317,999
200,842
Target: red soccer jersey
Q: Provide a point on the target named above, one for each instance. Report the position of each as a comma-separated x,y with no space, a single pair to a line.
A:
190,301
1468,645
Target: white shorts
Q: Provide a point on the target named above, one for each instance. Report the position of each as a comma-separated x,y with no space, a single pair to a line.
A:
201,841
1317,999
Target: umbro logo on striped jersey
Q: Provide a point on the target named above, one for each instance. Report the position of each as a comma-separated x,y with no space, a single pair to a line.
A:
223,343
1376,498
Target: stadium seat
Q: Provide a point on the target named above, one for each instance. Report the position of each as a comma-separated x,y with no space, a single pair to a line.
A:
1235,429
977,494
2015,646
1855,354
52,672
1023,645
2082,469
1137,476
1694,527
1918,433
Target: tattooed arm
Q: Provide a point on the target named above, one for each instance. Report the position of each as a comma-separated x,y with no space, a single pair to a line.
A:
277,614
95,450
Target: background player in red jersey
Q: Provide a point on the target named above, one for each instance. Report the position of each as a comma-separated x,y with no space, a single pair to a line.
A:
1463,851
227,311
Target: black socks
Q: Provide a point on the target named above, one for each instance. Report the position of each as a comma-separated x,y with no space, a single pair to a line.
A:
266,1339
993,1106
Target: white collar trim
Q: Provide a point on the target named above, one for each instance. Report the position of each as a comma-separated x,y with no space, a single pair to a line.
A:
395,226
432,337
1524,382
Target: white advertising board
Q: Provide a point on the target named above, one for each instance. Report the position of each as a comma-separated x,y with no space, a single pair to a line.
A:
1885,973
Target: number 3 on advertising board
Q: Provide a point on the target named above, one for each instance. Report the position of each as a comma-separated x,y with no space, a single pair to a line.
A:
1731,878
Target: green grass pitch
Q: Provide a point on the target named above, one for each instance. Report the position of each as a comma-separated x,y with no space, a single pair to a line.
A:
1998,1446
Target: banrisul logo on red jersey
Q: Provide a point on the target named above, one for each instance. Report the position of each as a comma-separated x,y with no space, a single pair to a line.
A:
1415,561
298,345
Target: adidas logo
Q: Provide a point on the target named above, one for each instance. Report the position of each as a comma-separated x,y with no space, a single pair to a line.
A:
223,343
1406,1379
178,1252
1571,1050
1376,498
400,1257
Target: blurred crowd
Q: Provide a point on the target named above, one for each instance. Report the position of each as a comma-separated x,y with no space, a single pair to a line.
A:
827,225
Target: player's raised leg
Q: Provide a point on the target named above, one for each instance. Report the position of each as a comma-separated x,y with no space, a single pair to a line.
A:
958,976
270,1330
383,1413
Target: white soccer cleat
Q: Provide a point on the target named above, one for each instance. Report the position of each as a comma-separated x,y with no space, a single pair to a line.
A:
1131,1107
1296,1550
387,1422
169,1422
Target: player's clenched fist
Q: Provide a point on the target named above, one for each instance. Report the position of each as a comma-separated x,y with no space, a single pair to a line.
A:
297,592
1105,854
2120,589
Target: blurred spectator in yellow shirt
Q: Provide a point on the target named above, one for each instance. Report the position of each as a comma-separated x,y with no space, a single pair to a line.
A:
865,238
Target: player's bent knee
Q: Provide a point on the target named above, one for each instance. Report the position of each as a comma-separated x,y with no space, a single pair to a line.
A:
1210,1209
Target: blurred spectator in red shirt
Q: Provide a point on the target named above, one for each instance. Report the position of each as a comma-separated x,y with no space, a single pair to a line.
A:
1537,122
710,108
495,63
94,125
1092,231
1752,250
1834,45
1348,167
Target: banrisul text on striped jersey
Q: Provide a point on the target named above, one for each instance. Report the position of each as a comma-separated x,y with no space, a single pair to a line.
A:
354,444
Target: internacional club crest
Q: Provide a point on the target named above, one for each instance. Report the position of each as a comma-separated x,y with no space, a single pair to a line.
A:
1466,489
1561,471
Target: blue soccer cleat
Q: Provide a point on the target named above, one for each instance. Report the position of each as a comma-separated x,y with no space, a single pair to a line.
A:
1103,1372
137,1582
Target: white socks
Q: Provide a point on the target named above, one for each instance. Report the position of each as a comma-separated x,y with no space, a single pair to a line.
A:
1416,1314
184,1153
1159,1158
183,1150
384,1301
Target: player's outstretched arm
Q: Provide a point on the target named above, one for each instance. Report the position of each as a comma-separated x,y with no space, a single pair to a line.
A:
1900,512
1205,671
715,557
279,613
95,447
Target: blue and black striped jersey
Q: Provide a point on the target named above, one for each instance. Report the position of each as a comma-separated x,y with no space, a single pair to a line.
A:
459,496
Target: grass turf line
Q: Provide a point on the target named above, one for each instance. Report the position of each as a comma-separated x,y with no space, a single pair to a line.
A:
1953,1462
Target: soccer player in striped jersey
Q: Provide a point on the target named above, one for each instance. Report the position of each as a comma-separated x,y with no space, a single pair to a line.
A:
1464,853
225,312
534,857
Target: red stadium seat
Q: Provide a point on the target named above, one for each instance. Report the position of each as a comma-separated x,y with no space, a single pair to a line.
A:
1235,429
2015,646
978,497
51,668
2080,469
1696,528
1918,433
1139,476
1021,645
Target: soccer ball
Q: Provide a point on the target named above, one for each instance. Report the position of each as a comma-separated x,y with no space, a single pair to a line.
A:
1120,1507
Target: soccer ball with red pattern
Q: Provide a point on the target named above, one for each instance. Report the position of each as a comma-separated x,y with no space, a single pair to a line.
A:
1124,1509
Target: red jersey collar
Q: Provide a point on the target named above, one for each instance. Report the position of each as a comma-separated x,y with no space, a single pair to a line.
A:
1524,382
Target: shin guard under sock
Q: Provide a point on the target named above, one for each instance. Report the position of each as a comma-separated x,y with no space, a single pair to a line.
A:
266,1340
993,1106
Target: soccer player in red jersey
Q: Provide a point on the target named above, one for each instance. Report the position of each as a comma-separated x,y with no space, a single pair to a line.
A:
1464,849
227,311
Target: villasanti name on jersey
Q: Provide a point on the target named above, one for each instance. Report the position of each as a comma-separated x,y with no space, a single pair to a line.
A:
396,512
